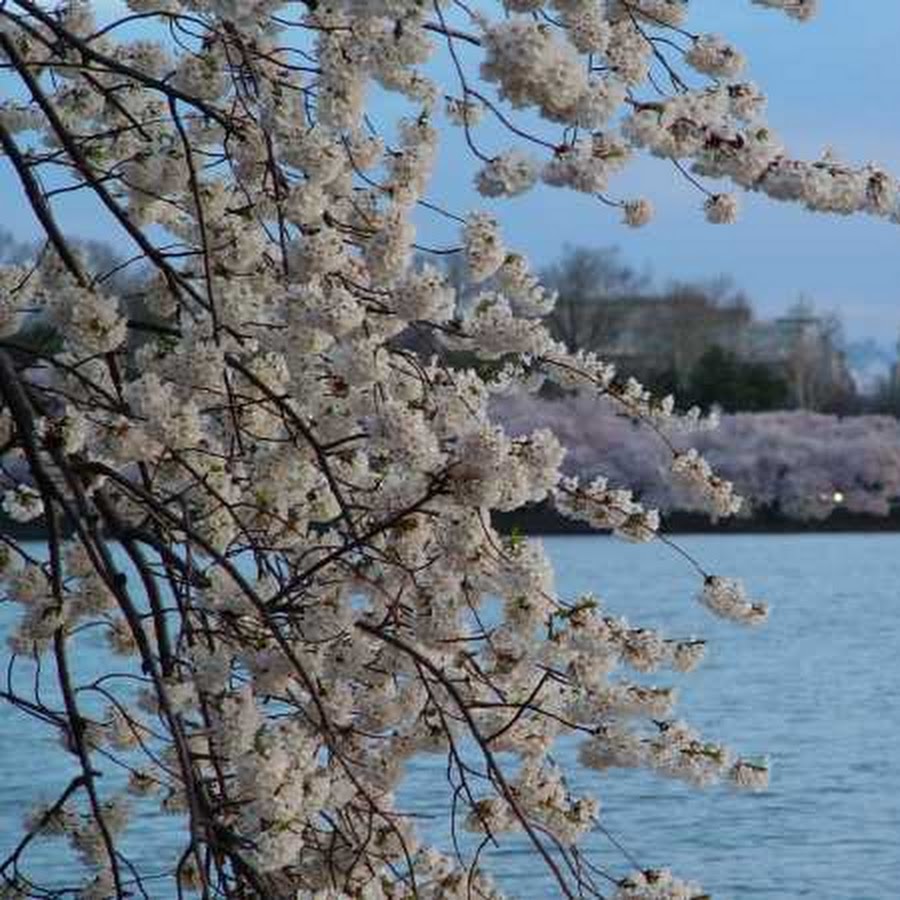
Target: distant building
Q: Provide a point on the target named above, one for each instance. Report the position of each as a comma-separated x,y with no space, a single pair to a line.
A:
805,350
650,336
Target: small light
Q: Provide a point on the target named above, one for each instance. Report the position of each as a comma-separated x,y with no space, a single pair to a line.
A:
838,496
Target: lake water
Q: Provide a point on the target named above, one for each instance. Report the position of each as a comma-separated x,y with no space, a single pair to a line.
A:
817,689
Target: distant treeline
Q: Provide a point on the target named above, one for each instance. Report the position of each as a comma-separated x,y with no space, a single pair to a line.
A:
796,465
700,340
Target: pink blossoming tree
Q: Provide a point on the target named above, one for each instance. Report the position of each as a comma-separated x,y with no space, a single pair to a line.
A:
802,464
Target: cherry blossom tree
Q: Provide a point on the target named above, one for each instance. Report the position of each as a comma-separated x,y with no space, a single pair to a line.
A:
801,464
275,513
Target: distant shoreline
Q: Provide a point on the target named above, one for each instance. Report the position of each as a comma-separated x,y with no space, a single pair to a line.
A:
541,519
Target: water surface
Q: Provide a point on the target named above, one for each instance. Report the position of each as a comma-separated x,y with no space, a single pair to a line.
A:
817,689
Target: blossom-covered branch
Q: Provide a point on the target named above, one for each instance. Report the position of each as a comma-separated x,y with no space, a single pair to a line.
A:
267,497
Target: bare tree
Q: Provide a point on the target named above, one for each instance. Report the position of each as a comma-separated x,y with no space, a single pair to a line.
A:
586,281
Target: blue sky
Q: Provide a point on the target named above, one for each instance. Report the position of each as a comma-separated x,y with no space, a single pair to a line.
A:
832,82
